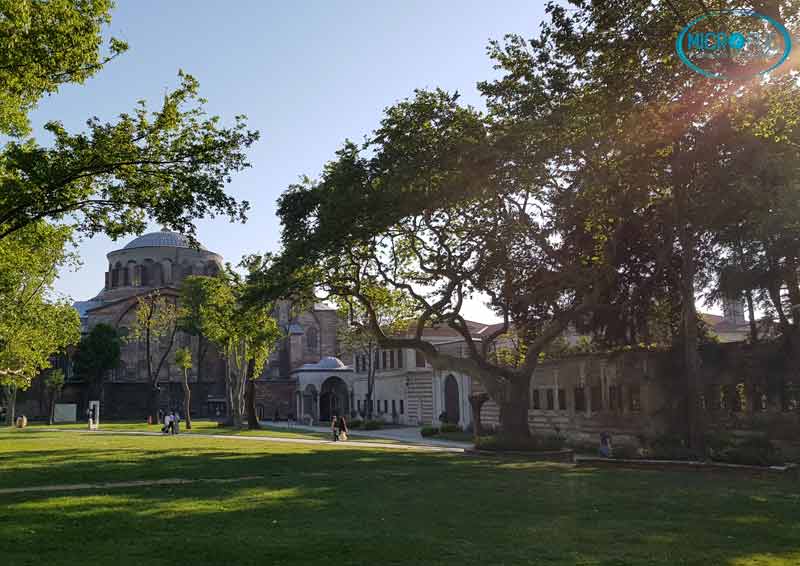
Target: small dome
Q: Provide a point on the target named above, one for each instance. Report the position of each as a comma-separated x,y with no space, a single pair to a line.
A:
162,239
330,363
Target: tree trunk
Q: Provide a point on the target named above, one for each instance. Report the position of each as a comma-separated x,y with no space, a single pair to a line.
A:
252,418
12,405
514,410
187,400
476,401
691,357
153,401
52,412
751,313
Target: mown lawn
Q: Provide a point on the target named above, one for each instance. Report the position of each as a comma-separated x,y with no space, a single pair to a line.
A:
211,427
325,504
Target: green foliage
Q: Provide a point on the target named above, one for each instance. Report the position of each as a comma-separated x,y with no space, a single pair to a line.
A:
373,425
44,45
98,352
428,431
54,381
625,452
534,443
753,451
183,358
670,447
355,424
448,427
170,166
33,326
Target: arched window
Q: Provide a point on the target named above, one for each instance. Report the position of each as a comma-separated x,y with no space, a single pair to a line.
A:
311,339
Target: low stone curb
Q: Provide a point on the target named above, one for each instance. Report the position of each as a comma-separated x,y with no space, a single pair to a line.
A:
565,456
683,465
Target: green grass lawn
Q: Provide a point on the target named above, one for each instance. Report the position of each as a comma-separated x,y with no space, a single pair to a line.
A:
326,504
211,427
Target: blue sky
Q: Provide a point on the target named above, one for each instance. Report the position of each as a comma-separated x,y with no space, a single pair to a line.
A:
308,74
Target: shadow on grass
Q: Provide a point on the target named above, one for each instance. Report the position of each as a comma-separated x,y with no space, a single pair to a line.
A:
340,506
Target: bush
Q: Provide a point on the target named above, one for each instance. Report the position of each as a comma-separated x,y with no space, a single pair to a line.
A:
355,424
625,452
450,428
531,444
429,431
718,442
756,451
373,425
669,447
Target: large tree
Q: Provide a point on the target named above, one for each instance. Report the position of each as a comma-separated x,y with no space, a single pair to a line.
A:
244,334
393,311
44,45
169,166
427,209
97,354
590,194
34,325
155,327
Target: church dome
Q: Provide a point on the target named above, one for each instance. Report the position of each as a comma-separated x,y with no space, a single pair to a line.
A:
161,239
330,363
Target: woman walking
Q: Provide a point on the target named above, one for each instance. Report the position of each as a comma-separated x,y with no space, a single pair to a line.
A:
335,427
342,428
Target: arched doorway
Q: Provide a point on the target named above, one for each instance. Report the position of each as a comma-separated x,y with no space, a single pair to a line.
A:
309,406
451,400
334,399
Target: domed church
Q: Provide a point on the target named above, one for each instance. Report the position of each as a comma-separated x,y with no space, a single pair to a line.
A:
161,261
154,261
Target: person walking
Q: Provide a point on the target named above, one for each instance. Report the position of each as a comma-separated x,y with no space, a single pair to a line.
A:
176,422
335,427
167,424
342,428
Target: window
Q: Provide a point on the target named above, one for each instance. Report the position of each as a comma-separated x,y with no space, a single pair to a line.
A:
400,358
402,407
536,401
597,399
551,404
580,399
562,400
311,339
385,406
612,398
394,407
391,359
739,398
371,405
376,362
384,365
378,406
358,405
636,401
420,359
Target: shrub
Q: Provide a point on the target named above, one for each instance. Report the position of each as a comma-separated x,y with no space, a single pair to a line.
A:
669,447
718,442
625,452
530,444
373,425
355,424
583,446
429,431
756,451
450,428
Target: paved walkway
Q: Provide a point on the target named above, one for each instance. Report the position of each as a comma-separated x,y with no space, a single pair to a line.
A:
410,435
340,444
